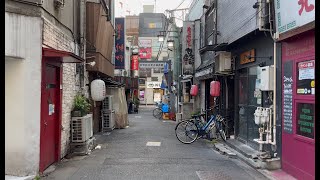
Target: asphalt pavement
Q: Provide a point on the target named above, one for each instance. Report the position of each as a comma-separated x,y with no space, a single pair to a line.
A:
124,155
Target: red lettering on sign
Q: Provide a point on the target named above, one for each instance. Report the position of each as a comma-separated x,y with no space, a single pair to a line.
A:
305,5
119,47
119,58
189,36
118,28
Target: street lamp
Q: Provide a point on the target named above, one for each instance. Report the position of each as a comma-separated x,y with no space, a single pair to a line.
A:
170,43
160,38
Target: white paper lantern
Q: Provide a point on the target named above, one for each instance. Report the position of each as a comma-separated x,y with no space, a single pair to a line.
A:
98,90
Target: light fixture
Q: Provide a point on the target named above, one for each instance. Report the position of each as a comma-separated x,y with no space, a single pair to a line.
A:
160,38
170,43
92,63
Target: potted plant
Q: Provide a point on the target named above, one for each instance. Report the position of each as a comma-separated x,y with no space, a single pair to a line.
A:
81,106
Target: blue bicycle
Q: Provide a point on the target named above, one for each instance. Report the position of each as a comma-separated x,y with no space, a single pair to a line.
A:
188,131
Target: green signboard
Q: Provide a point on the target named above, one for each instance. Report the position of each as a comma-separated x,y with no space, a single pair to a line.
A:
305,119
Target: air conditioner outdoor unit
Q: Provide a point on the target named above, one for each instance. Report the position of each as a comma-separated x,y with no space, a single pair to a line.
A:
107,103
223,62
81,128
107,120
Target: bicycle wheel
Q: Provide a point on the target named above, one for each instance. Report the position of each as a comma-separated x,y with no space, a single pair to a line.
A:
157,113
186,132
222,135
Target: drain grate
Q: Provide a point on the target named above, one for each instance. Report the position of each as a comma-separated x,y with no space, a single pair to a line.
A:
213,175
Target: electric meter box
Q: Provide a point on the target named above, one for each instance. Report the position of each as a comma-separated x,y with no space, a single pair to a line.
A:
266,77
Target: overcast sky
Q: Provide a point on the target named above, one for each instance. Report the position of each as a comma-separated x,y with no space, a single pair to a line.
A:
134,7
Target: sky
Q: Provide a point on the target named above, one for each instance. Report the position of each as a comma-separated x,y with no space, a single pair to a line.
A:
134,7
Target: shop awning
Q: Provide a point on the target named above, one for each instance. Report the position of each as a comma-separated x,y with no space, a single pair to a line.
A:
215,47
61,56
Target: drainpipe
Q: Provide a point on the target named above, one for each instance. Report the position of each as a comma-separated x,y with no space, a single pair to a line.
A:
274,90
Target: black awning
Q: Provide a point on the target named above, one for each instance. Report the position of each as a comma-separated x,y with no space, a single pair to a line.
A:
110,82
215,47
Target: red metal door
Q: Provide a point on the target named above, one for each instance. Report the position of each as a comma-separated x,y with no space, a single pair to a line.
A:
49,116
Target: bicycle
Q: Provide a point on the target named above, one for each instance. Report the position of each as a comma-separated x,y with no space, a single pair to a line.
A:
194,129
157,112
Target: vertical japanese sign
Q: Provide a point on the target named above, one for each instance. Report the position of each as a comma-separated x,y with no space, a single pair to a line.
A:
134,62
119,44
294,13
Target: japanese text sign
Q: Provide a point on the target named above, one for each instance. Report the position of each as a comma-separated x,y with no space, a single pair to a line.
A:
119,44
291,14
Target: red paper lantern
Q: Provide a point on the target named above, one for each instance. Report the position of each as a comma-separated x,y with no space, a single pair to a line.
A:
194,90
215,88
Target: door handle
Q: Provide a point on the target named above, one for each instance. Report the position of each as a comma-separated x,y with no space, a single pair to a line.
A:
45,123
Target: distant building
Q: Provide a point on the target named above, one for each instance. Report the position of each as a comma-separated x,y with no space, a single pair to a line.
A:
148,8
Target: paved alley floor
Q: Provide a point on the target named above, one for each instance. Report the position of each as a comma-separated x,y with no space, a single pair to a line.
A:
125,156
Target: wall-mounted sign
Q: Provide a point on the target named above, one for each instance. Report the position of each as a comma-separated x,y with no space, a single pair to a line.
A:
151,65
145,53
287,82
153,85
305,79
145,42
293,14
244,57
134,62
119,44
305,119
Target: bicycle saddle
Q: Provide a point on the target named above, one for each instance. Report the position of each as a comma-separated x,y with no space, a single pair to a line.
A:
198,115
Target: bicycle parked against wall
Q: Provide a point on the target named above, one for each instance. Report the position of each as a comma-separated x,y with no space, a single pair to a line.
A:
188,131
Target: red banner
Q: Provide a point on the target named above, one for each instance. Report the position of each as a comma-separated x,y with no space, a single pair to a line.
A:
134,62
145,53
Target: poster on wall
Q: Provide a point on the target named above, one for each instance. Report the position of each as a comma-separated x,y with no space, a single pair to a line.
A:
119,44
305,120
287,82
305,78
141,95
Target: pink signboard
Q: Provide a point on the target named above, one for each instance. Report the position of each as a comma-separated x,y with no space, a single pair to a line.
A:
145,53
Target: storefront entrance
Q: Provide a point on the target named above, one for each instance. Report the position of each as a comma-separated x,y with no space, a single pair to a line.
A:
247,104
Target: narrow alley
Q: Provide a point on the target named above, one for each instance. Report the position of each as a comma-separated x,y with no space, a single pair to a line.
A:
124,154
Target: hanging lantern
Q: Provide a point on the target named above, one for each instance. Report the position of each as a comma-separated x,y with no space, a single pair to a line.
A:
194,90
98,90
215,88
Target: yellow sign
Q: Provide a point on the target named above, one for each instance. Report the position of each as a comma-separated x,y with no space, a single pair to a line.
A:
152,25
312,84
247,57
300,91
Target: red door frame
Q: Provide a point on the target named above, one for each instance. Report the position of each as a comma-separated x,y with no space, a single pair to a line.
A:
58,65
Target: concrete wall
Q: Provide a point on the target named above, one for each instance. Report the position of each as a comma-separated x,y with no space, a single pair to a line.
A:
22,94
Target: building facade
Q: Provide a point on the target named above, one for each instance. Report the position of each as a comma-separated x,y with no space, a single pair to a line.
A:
295,32
50,54
50,63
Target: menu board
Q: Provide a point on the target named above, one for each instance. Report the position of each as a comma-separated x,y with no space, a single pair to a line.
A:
305,119
287,96
305,78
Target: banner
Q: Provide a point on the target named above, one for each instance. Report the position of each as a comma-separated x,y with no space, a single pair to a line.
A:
119,44
134,62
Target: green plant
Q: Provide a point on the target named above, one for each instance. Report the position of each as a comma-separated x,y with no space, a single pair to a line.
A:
81,104
197,112
136,101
